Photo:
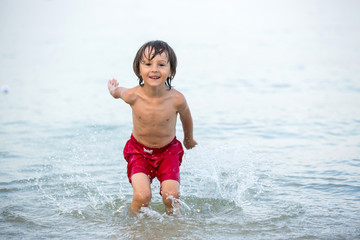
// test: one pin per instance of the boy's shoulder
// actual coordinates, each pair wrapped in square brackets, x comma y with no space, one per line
[177,94]
[131,95]
[178,97]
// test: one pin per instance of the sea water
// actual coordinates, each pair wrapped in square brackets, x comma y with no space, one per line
[274,91]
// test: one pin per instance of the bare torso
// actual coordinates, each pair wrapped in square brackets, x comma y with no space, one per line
[154,110]
[154,118]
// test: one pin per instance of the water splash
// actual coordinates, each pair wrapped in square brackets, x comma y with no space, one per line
[178,205]
[148,212]
[231,176]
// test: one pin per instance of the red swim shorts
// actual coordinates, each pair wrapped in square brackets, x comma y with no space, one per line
[163,163]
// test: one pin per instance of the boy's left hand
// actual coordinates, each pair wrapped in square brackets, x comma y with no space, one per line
[189,143]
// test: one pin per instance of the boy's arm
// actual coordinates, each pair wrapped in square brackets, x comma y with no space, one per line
[187,124]
[115,90]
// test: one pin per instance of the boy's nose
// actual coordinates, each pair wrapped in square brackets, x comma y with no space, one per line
[154,68]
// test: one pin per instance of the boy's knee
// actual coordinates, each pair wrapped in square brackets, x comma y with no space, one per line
[168,194]
[142,197]
[170,189]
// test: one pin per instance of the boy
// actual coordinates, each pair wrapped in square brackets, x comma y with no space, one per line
[153,150]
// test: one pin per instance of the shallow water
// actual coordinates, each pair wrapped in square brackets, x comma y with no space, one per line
[274,91]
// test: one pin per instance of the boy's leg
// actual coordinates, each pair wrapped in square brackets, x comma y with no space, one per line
[141,191]
[170,191]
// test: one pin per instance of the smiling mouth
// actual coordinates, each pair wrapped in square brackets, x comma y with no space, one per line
[154,77]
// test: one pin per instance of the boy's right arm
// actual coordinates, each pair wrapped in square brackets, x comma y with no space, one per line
[115,90]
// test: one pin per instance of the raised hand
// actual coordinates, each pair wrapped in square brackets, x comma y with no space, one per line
[112,84]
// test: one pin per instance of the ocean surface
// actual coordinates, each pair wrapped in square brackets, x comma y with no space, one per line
[274,90]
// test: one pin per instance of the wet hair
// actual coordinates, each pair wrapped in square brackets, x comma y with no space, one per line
[155,48]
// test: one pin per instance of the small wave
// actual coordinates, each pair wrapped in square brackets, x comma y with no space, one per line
[8,155]
[8,190]
[16,216]
[211,206]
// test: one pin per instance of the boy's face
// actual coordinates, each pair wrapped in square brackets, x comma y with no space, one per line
[155,72]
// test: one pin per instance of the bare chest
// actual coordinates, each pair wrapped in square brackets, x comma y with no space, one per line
[156,113]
